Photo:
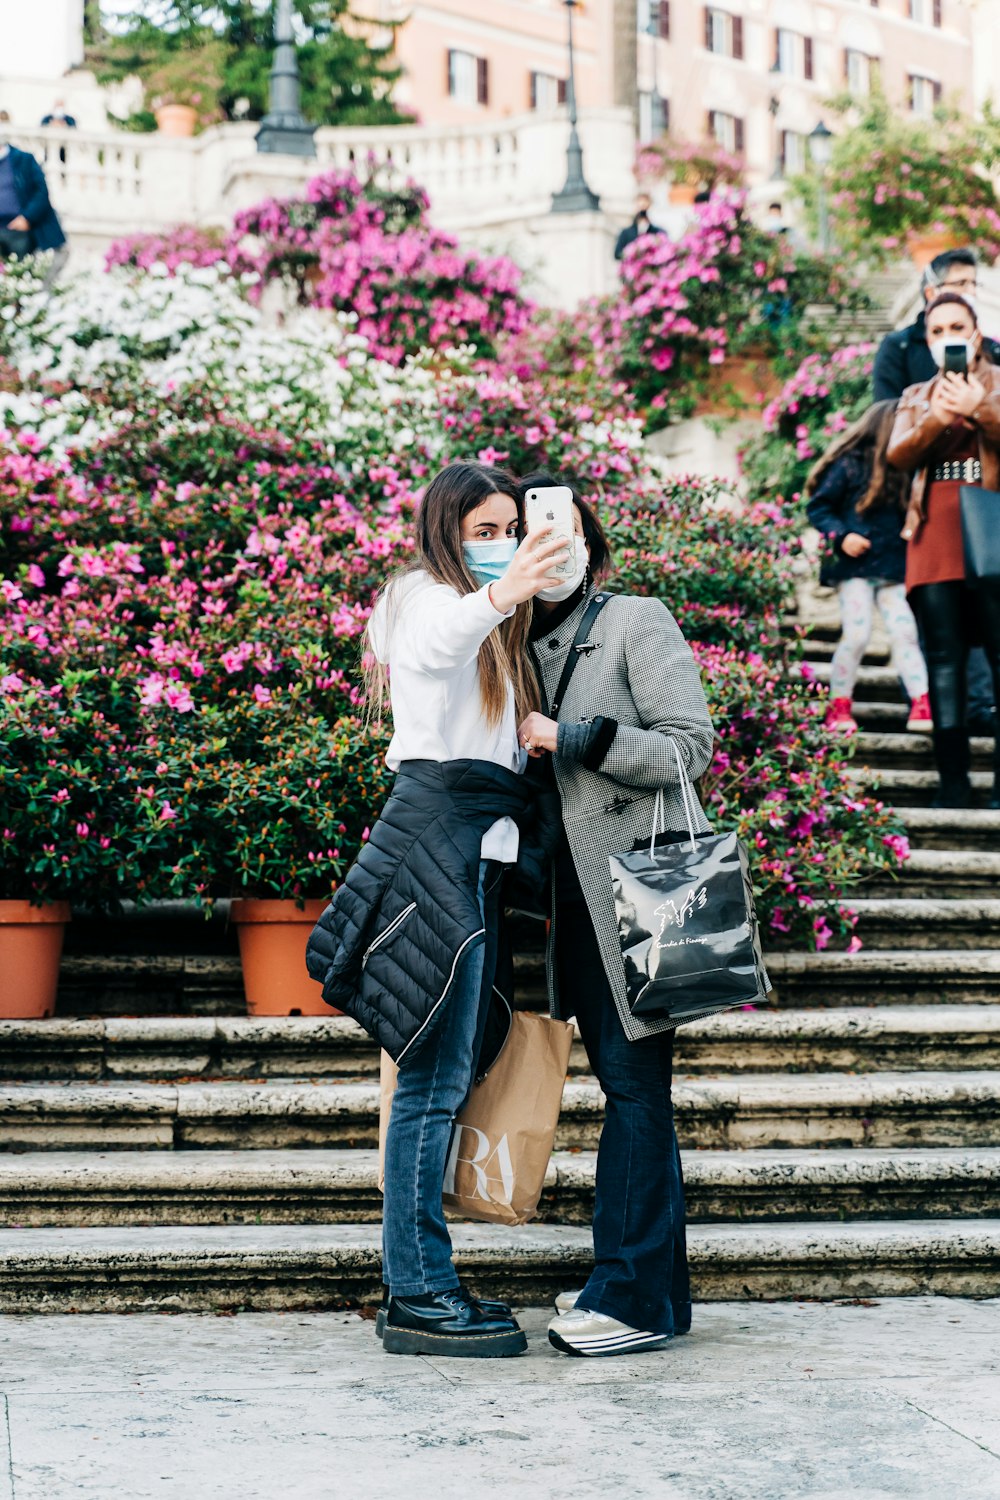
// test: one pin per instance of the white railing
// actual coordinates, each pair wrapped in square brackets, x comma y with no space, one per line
[111,182]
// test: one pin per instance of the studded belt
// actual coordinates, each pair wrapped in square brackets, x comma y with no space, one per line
[967,470]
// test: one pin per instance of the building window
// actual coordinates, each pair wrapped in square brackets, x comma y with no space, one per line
[468,78]
[547,91]
[723,32]
[653,18]
[654,116]
[794,152]
[727,130]
[926,12]
[793,54]
[858,71]
[925,94]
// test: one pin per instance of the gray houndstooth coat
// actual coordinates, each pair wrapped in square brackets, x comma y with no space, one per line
[643,675]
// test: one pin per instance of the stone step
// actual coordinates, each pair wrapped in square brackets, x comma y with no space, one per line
[115,984]
[888,1109]
[817,651]
[316,1267]
[962,923]
[933,873]
[882,718]
[184,1048]
[93,1189]
[913,788]
[911,752]
[953,828]
[873,685]
[895,976]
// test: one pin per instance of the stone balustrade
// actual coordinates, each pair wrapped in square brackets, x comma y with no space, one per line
[492,184]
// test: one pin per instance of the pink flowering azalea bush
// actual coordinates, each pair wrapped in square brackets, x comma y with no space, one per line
[361,248]
[188,555]
[783,784]
[686,308]
[895,177]
[188,244]
[823,397]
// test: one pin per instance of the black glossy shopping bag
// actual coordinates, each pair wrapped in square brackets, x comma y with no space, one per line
[687,926]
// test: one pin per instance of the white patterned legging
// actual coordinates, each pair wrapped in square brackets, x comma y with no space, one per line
[858,600]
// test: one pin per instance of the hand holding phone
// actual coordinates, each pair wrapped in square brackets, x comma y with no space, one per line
[550,507]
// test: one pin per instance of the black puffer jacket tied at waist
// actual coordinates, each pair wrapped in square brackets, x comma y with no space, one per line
[388,947]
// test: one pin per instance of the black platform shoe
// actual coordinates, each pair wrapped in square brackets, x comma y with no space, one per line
[448,1323]
[487,1305]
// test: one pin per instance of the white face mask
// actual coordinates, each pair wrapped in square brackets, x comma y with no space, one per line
[567,586]
[940,345]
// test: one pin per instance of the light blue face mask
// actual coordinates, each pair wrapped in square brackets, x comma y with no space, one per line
[489,561]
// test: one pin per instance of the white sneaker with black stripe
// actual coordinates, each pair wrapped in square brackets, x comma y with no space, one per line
[592,1333]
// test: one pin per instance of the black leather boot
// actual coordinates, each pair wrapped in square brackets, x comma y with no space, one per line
[448,1323]
[951,751]
[492,1308]
[995,798]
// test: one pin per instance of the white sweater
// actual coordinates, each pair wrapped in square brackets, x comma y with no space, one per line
[429,636]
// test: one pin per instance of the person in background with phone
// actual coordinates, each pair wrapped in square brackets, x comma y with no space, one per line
[904,359]
[409,944]
[947,433]
[635,687]
[856,501]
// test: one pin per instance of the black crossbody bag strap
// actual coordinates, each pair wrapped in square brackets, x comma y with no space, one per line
[577,650]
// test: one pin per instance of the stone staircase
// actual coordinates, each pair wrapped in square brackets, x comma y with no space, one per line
[843,1142]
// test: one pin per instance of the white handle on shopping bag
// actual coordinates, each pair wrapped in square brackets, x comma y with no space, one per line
[687,797]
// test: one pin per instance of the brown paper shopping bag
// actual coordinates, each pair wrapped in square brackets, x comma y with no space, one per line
[502,1140]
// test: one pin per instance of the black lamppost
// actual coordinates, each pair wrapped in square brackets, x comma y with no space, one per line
[575,197]
[285,128]
[820,152]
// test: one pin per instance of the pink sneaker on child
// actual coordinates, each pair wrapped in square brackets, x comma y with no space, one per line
[920,721]
[840,718]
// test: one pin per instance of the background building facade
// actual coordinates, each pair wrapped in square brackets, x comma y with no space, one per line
[754,73]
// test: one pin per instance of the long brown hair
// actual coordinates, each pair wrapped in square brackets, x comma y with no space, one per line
[872,431]
[503,657]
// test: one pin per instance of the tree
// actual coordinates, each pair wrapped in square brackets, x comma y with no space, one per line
[346,78]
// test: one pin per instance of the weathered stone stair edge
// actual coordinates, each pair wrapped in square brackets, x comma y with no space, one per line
[276,1098]
[746,1111]
[243,1047]
[298,1267]
[154,1188]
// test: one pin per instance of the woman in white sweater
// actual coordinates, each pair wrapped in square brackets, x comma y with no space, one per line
[448,642]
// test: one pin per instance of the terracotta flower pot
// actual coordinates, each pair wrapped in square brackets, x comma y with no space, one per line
[176,119]
[924,247]
[683,192]
[273,937]
[31,940]
[741,381]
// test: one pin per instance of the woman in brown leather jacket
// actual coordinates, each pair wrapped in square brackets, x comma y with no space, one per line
[947,432]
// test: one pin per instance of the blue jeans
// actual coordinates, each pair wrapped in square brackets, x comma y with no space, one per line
[640,1273]
[416,1245]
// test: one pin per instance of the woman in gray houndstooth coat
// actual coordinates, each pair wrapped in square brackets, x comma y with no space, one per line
[634,689]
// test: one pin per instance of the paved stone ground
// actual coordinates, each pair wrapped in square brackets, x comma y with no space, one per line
[762,1402]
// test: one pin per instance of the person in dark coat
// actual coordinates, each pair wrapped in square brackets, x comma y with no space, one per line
[28,222]
[858,503]
[904,359]
[640,225]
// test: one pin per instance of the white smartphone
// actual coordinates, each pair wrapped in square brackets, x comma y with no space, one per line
[552,506]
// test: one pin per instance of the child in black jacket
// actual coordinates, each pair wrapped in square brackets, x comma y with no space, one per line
[857,502]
